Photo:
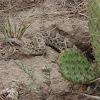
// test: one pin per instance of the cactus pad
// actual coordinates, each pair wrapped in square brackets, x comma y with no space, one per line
[94,28]
[75,67]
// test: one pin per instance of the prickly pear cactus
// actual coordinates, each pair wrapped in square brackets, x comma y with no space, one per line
[75,67]
[94,28]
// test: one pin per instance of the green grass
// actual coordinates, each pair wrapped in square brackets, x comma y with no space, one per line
[12,30]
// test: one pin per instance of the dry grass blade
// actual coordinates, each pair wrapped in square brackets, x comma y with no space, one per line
[15,28]
[22,31]
[19,29]
[90,96]
[2,30]
[9,26]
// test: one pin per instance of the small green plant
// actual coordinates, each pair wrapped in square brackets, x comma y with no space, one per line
[12,30]
[46,75]
[29,72]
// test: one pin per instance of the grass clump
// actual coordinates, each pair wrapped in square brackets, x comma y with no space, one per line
[12,30]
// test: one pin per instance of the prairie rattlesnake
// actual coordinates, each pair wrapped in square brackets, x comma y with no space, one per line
[50,37]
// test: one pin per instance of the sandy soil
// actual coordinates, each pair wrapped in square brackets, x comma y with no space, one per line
[42,15]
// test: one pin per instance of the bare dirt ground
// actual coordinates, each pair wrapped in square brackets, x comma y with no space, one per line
[42,14]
